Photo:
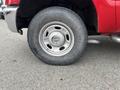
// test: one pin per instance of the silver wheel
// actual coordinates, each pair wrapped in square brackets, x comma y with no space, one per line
[56,38]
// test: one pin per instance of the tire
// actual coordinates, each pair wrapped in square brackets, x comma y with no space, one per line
[2,16]
[55,16]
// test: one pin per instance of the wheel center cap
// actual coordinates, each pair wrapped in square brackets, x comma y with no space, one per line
[56,39]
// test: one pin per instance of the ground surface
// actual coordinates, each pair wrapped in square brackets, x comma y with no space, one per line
[98,69]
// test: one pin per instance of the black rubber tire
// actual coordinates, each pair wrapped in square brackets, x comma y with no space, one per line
[2,16]
[63,15]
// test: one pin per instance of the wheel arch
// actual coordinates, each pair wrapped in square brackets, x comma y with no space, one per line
[84,8]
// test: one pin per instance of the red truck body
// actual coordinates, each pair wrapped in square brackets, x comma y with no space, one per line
[108,12]
[118,14]
[12,2]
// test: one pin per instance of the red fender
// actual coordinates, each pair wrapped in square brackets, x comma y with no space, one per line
[12,2]
[106,16]
[118,14]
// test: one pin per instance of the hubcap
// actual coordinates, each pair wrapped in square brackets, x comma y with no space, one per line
[56,39]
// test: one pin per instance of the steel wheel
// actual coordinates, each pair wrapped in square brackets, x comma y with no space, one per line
[56,38]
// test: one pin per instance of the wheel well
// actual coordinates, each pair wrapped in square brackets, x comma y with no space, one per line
[84,8]
[89,15]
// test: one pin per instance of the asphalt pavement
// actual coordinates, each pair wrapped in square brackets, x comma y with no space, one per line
[98,69]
